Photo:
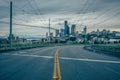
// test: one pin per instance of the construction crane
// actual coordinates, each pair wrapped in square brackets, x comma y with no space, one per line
[56,73]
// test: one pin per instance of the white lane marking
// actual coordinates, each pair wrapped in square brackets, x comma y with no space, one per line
[33,55]
[90,60]
[66,58]
[22,52]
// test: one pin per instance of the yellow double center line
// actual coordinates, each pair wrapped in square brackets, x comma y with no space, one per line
[56,73]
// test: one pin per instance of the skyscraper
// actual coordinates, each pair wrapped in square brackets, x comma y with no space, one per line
[85,34]
[56,33]
[66,28]
[85,30]
[51,35]
[73,29]
[46,34]
[62,32]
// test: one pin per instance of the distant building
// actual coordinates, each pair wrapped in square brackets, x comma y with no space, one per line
[98,32]
[13,38]
[104,32]
[3,41]
[46,34]
[57,33]
[51,35]
[84,30]
[62,32]
[67,32]
[117,34]
[73,29]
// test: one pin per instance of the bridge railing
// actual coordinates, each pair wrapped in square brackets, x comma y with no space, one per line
[107,47]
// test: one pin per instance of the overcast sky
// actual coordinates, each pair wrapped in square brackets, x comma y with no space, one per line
[95,14]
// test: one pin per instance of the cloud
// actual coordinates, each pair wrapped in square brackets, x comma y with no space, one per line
[37,12]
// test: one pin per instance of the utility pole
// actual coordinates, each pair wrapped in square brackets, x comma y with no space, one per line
[49,29]
[10,36]
[85,34]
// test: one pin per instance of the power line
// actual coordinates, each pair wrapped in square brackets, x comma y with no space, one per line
[108,14]
[37,13]
[28,25]
[86,9]
[107,19]
[37,8]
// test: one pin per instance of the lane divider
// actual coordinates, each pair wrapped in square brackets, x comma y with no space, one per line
[56,72]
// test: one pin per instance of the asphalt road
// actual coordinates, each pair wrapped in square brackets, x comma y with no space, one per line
[75,62]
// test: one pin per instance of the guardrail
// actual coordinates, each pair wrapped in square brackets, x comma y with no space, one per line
[115,48]
[6,47]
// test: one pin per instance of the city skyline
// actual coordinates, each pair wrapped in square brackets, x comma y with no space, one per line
[96,16]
